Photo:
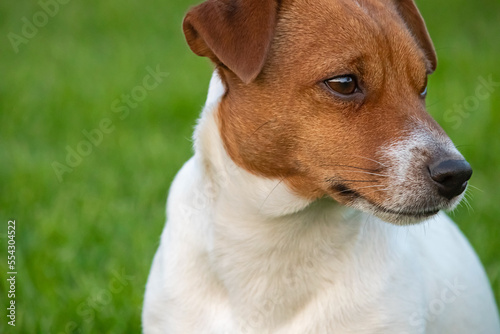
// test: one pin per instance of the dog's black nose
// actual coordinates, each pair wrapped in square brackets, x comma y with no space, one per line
[450,176]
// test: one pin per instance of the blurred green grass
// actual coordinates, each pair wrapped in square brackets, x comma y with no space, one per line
[85,245]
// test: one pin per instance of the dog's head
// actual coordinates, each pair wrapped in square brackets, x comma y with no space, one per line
[329,97]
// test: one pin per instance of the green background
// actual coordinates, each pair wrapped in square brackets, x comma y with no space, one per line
[85,244]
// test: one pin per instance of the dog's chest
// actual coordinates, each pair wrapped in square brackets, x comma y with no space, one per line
[297,301]
[304,284]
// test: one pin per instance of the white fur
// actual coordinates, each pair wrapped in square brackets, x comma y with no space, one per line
[242,254]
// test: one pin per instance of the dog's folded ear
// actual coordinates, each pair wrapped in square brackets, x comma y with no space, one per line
[415,23]
[236,34]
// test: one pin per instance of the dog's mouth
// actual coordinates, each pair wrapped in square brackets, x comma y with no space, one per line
[409,213]
[402,216]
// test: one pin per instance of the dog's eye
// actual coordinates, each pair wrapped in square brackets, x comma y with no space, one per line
[424,91]
[345,85]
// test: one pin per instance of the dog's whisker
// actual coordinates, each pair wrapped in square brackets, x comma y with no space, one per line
[349,166]
[468,194]
[360,172]
[374,191]
[467,197]
[359,188]
[344,180]
[374,186]
[378,162]
[462,145]
[467,204]
[272,190]
[257,129]
[474,187]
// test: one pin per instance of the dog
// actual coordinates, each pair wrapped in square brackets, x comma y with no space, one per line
[314,161]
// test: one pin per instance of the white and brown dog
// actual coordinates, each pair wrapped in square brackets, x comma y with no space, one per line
[314,160]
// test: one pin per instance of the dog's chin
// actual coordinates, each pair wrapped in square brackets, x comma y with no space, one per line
[409,215]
